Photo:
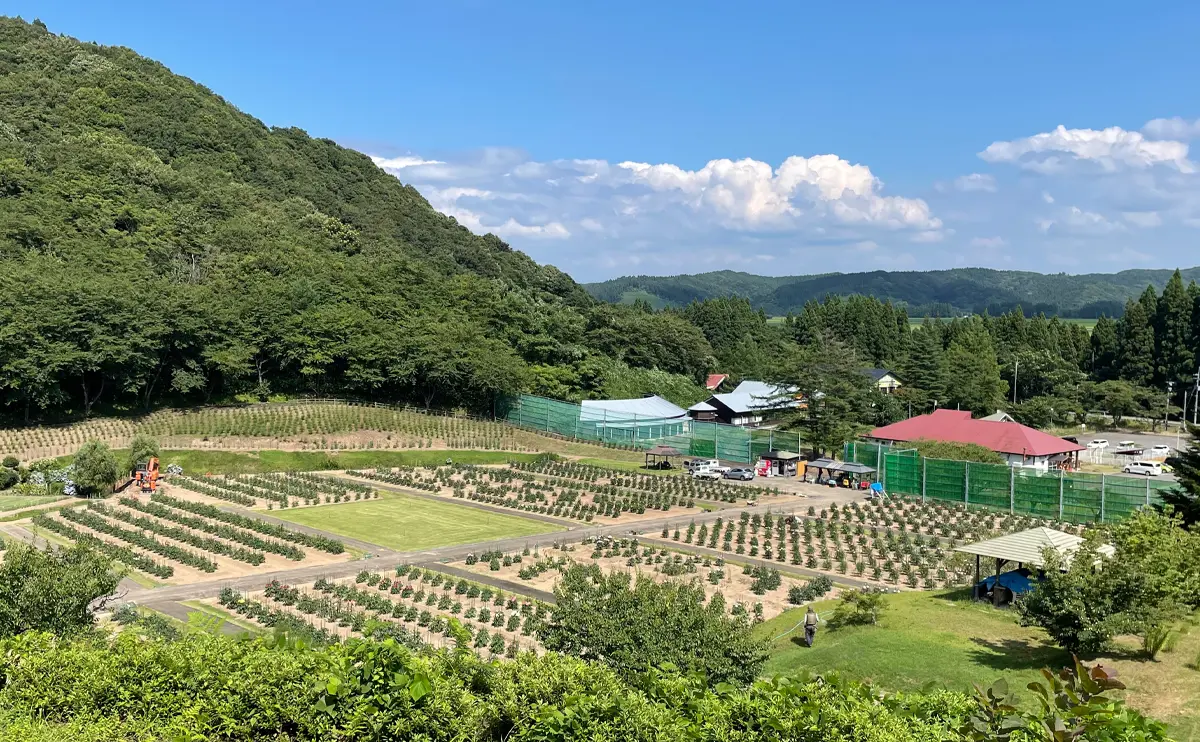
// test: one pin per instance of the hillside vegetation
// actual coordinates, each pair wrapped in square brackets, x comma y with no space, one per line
[944,293]
[159,246]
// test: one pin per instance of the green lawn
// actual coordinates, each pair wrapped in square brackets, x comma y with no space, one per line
[941,637]
[16,502]
[405,523]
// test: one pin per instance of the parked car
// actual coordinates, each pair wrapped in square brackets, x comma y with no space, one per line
[1098,443]
[706,474]
[696,464]
[1161,450]
[1128,444]
[1147,468]
[744,475]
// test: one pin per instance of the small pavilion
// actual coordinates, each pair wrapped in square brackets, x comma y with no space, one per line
[1025,549]
[660,456]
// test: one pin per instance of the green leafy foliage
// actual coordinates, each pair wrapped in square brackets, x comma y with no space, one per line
[633,623]
[52,590]
[95,469]
[858,608]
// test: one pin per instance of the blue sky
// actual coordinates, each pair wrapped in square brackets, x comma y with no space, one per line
[666,137]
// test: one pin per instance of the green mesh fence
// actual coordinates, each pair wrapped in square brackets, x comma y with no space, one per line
[700,439]
[1074,497]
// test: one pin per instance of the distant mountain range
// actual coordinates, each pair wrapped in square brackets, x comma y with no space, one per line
[942,293]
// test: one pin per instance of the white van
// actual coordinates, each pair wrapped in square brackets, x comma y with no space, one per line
[1147,468]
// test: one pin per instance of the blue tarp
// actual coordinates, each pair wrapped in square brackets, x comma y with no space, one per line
[1018,580]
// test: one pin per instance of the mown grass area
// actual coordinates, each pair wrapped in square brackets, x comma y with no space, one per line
[198,462]
[17,502]
[405,523]
[945,638]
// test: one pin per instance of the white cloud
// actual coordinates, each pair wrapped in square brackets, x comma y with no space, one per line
[402,162]
[749,193]
[1175,127]
[1079,221]
[1112,148]
[1142,218]
[1047,198]
[988,243]
[975,182]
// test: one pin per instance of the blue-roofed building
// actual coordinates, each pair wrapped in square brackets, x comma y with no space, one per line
[750,403]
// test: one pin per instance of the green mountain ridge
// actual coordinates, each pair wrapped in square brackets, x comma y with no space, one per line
[160,247]
[942,293]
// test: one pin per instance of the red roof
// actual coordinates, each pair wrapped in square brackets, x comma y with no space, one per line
[715,380]
[959,427]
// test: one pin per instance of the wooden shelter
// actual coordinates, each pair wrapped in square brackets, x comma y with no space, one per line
[660,456]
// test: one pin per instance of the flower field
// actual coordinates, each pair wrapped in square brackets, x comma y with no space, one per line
[286,426]
[757,593]
[175,539]
[569,490]
[413,605]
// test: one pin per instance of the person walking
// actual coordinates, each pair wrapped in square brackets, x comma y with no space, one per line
[811,619]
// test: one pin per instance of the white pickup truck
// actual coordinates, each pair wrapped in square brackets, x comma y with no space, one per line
[706,468]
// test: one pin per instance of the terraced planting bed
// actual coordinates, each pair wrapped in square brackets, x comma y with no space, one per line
[278,490]
[572,490]
[411,604]
[285,426]
[880,542]
[753,592]
[182,541]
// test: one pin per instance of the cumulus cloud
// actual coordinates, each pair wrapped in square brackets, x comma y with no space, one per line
[975,182]
[1175,127]
[1142,218]
[750,193]
[1112,149]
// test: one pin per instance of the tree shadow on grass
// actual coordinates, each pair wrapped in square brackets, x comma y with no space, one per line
[1017,654]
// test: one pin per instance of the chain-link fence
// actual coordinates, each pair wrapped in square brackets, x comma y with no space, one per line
[702,439]
[1075,496]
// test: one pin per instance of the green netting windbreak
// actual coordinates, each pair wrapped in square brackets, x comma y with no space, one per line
[902,472]
[701,439]
[864,453]
[945,480]
[989,485]
[1124,495]
[1082,494]
[1037,493]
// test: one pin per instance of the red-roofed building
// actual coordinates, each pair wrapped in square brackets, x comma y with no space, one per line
[1019,444]
[714,381]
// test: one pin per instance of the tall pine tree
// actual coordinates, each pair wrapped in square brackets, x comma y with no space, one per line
[1103,356]
[972,374]
[1135,348]
[922,369]
[1185,496]
[1173,334]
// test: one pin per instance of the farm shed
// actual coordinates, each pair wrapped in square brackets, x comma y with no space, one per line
[1022,548]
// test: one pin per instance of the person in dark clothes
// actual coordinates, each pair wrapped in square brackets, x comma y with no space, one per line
[811,619]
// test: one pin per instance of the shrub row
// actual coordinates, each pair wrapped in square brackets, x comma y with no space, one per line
[223,530]
[122,554]
[139,539]
[333,546]
[182,535]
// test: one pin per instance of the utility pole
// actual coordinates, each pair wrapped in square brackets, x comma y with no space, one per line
[1167,411]
[1016,364]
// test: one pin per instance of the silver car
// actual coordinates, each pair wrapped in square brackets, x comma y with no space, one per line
[744,475]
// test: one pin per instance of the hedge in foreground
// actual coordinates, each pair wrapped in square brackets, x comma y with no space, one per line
[216,688]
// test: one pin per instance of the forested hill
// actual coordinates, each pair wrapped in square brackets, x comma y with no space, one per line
[158,246]
[943,293]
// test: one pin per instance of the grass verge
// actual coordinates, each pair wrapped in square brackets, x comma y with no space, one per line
[945,638]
